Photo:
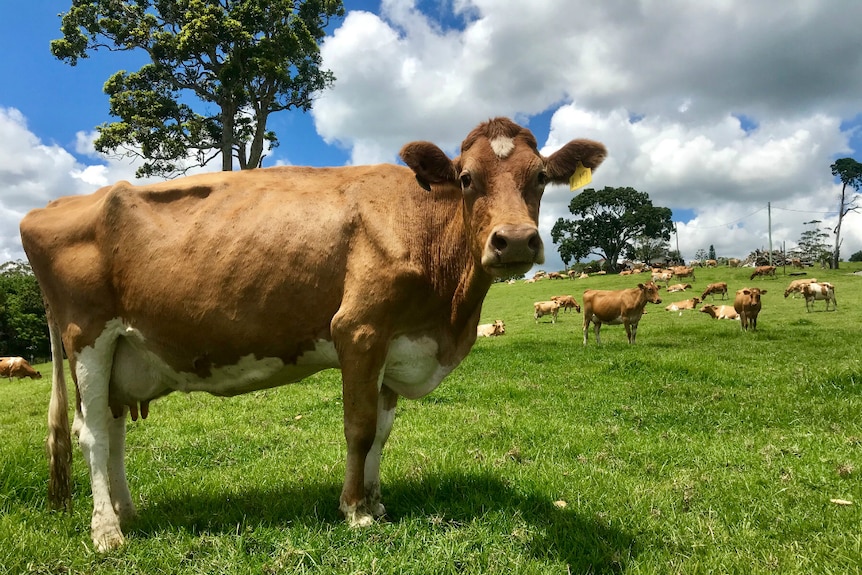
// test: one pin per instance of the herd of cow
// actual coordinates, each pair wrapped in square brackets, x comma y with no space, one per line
[232,282]
[626,306]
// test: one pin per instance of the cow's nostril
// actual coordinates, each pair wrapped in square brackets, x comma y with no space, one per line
[499,243]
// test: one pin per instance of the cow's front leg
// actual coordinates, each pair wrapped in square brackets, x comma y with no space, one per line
[386,402]
[362,358]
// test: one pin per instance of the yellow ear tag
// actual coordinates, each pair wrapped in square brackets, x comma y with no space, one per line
[580,178]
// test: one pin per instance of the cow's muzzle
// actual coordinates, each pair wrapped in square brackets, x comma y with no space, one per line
[513,249]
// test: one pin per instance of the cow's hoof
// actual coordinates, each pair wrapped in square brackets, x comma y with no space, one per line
[107,540]
[356,515]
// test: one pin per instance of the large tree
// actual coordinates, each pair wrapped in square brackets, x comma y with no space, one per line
[608,222]
[23,328]
[813,245]
[243,59]
[850,173]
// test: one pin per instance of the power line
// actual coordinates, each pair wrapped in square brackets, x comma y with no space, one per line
[728,223]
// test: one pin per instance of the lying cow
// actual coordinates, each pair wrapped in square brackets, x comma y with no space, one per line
[566,302]
[714,288]
[17,367]
[543,308]
[677,288]
[616,307]
[747,304]
[690,303]
[230,282]
[763,271]
[819,291]
[491,329]
[797,285]
[720,311]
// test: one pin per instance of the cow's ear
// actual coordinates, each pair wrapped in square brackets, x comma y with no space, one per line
[763,291]
[563,163]
[430,164]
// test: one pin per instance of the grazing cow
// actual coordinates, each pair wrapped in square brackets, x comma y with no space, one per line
[747,304]
[677,288]
[17,367]
[491,329]
[797,285]
[733,262]
[555,276]
[711,263]
[690,303]
[231,282]
[763,271]
[720,311]
[566,302]
[662,276]
[796,263]
[714,288]
[683,272]
[543,308]
[819,291]
[616,307]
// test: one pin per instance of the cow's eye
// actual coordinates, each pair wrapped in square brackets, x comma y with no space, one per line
[466,180]
[542,178]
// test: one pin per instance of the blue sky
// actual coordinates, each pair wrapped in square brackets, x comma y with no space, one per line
[715,108]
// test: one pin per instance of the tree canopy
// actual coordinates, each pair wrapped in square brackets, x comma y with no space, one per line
[23,328]
[244,59]
[608,223]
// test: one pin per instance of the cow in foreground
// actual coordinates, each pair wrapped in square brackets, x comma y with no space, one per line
[714,288]
[491,329]
[17,367]
[720,311]
[567,302]
[232,282]
[616,307]
[747,304]
[819,291]
[543,308]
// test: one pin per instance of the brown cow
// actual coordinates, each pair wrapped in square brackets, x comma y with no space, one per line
[714,288]
[797,285]
[747,304]
[711,263]
[566,302]
[543,308]
[491,329]
[616,307]
[720,311]
[734,262]
[17,367]
[819,291]
[690,303]
[683,272]
[763,271]
[677,288]
[231,282]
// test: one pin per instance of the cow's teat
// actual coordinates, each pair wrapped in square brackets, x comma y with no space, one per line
[512,248]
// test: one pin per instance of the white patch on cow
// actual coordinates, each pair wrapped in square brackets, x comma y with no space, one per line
[502,146]
[412,368]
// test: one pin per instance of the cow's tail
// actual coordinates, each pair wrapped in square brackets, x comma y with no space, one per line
[59,442]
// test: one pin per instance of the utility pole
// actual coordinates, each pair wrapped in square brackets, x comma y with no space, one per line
[769,211]
[676,233]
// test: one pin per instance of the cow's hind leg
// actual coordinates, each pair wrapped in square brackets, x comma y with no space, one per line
[121,498]
[93,369]
[385,416]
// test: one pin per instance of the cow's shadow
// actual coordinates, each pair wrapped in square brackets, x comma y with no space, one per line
[586,544]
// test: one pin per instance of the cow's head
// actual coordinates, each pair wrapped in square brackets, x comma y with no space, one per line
[499,327]
[501,177]
[650,291]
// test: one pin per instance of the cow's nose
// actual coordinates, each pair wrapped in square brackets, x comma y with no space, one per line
[512,245]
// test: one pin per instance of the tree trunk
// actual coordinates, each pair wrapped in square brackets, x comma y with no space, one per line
[838,228]
[227,114]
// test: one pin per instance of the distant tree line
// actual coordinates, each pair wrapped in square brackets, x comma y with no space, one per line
[23,327]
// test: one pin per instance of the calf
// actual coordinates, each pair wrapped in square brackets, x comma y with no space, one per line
[817,291]
[720,311]
[712,289]
[678,287]
[747,305]
[543,308]
[616,307]
[763,271]
[17,367]
[797,285]
[684,304]
[491,329]
[566,302]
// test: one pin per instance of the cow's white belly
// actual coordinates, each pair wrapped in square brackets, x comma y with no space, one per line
[411,369]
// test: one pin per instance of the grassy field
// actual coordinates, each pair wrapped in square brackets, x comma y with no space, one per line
[700,449]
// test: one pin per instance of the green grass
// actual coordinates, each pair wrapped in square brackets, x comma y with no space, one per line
[700,449]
